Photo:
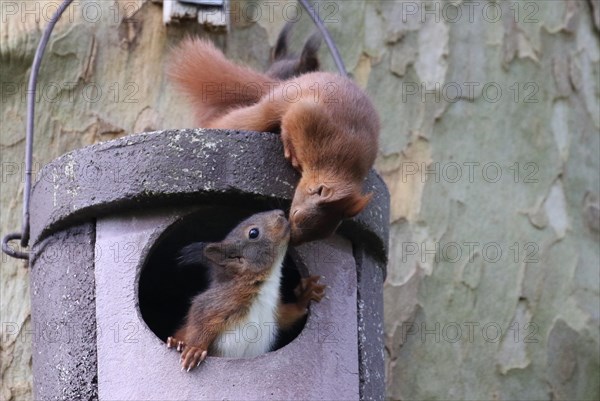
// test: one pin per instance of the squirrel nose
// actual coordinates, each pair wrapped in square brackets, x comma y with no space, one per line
[280,213]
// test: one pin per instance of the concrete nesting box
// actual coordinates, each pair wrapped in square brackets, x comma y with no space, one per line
[106,224]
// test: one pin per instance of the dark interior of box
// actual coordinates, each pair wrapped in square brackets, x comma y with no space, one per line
[166,286]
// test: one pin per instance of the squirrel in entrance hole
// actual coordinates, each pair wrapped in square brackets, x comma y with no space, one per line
[328,125]
[245,289]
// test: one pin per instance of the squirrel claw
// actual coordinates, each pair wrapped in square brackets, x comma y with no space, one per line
[289,152]
[309,290]
[296,164]
[173,342]
[192,357]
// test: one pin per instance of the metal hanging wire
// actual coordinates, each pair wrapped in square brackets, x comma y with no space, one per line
[31,89]
[23,236]
[328,39]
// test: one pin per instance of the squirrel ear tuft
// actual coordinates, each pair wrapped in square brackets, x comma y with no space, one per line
[356,204]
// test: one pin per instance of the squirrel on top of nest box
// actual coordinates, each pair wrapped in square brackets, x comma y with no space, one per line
[329,127]
[246,274]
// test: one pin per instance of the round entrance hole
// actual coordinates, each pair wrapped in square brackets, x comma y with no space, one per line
[167,286]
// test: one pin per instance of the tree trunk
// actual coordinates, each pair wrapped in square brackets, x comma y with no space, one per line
[489,146]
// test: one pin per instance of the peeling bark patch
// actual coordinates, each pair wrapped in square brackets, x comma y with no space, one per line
[575,75]
[560,128]
[362,71]
[571,16]
[515,42]
[404,298]
[402,57]
[513,351]
[431,61]
[88,68]
[591,211]
[470,272]
[525,48]
[537,217]
[562,356]
[147,120]
[560,71]
[556,209]
[595,6]
[100,130]
[129,30]
[509,42]
[402,175]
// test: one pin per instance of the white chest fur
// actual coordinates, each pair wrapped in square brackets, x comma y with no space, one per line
[255,334]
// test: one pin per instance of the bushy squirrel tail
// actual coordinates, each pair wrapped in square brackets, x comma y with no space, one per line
[214,84]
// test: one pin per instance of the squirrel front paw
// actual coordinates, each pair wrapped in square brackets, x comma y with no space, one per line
[309,290]
[192,357]
[289,153]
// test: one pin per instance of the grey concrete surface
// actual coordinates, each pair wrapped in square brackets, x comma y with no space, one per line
[320,364]
[370,326]
[63,314]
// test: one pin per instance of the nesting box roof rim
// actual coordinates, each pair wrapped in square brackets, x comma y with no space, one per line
[181,164]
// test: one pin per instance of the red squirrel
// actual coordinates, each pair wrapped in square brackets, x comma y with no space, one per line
[329,128]
[244,290]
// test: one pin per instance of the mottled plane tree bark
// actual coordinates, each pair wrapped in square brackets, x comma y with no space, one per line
[490,148]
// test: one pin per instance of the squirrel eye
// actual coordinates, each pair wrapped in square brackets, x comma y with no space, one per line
[253,233]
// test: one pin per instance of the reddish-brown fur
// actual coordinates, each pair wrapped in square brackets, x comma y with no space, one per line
[329,129]
[240,267]
[214,84]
